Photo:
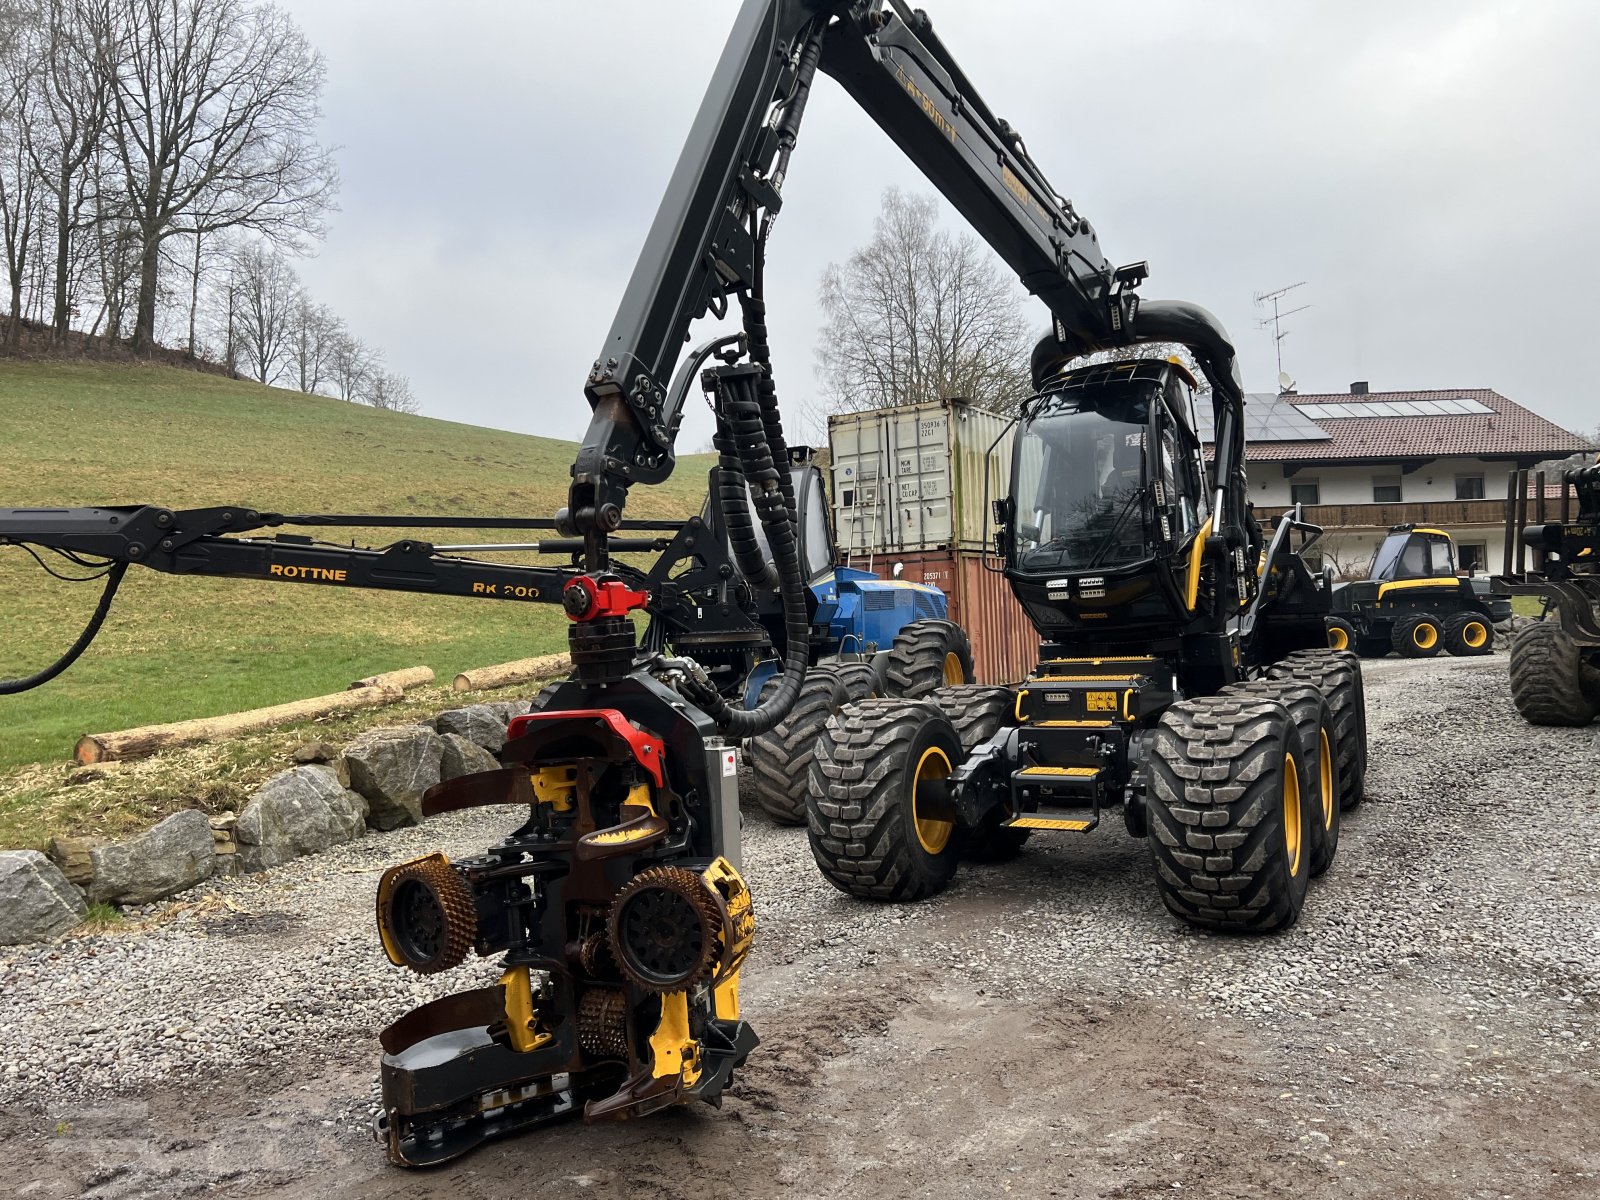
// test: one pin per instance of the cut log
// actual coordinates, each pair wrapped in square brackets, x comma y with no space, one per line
[148,739]
[524,670]
[405,679]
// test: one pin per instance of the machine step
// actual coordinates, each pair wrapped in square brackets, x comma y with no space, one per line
[1047,773]
[1068,824]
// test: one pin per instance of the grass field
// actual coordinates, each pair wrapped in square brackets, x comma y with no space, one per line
[174,647]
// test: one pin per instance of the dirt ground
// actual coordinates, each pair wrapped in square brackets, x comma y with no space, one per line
[1043,1029]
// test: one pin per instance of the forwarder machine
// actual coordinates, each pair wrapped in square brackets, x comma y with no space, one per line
[617,907]
[1555,663]
[1414,603]
[1184,674]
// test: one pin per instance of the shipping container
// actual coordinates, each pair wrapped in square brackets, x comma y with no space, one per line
[915,478]
[1005,647]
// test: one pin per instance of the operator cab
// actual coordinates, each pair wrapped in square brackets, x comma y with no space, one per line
[1107,501]
[1414,552]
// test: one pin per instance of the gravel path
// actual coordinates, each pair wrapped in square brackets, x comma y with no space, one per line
[1044,1028]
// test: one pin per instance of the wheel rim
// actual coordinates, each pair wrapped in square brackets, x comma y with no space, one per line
[1291,812]
[1425,635]
[1475,634]
[954,673]
[419,921]
[932,832]
[1330,802]
[1338,639]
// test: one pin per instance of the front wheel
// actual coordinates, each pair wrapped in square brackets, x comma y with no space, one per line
[780,759]
[1547,677]
[878,816]
[1341,634]
[1230,814]
[927,655]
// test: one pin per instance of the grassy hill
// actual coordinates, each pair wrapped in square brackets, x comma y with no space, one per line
[173,648]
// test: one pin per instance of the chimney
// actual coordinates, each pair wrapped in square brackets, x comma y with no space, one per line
[1358,388]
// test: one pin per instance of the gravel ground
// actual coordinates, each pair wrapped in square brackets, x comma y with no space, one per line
[1044,1028]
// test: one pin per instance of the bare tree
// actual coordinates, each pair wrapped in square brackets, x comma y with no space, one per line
[20,215]
[314,333]
[213,109]
[920,314]
[391,393]
[351,364]
[264,295]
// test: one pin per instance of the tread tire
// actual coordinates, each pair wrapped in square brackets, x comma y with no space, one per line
[1338,674]
[1309,710]
[1216,813]
[978,713]
[780,759]
[1547,677]
[860,814]
[915,664]
[1456,627]
[1403,637]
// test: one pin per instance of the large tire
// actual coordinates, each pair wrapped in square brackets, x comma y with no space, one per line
[927,655]
[1228,832]
[978,713]
[780,759]
[1314,720]
[1417,636]
[1341,634]
[862,814]
[1547,677]
[1467,634]
[1339,677]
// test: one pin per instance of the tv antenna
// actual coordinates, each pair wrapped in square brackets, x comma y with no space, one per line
[1273,322]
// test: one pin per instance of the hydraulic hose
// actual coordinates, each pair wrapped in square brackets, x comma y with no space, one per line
[756,436]
[10,687]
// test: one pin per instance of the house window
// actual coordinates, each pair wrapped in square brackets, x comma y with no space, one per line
[1469,487]
[1386,489]
[1474,556]
[1305,493]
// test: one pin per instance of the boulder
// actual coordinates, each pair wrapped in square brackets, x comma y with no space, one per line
[481,724]
[71,857]
[296,812]
[36,901]
[315,752]
[507,709]
[170,856]
[392,766]
[462,757]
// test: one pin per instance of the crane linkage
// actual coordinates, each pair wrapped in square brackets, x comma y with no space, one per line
[618,904]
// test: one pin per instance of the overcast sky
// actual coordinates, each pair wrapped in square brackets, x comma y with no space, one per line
[1428,168]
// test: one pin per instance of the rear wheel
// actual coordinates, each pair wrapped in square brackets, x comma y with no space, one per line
[1320,787]
[927,655]
[1417,636]
[1341,634]
[1547,677]
[1339,677]
[781,758]
[1229,815]
[878,816]
[1467,634]
[978,713]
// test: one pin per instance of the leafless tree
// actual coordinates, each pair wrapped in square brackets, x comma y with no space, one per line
[391,392]
[314,333]
[213,106]
[920,314]
[351,364]
[264,298]
[20,214]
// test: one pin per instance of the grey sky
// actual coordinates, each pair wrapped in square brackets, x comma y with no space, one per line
[1429,168]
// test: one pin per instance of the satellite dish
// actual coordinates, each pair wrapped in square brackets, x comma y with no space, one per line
[1285,384]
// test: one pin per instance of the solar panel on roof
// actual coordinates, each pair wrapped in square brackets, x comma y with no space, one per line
[1267,418]
[1455,406]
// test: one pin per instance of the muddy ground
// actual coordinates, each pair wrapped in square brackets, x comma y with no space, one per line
[1043,1029]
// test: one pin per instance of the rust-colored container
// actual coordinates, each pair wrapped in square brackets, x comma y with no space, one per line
[1005,647]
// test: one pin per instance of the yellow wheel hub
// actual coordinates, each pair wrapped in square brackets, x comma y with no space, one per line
[1325,782]
[953,672]
[1474,634]
[1425,635]
[1338,639]
[932,832]
[1291,812]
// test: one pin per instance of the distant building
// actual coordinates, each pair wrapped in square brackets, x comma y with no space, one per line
[1362,461]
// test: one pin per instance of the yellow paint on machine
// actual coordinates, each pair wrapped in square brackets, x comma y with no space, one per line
[522,1018]
[1196,552]
[1073,772]
[1072,826]
[673,1050]
[1397,585]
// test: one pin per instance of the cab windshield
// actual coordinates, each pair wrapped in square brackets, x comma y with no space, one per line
[1411,556]
[1080,487]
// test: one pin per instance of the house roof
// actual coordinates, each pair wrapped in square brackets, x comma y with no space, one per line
[1507,431]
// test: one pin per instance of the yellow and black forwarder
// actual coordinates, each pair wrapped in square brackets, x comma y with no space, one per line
[1414,603]
[1184,676]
